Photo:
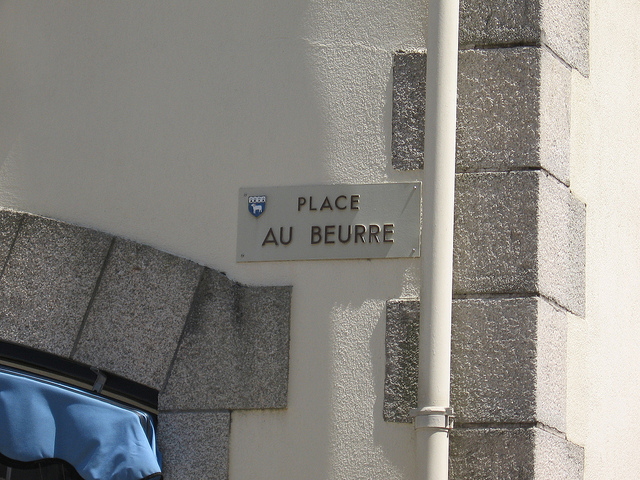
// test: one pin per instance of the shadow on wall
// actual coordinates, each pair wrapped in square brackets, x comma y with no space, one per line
[138,118]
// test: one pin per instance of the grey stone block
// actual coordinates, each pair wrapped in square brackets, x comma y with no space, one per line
[561,245]
[555,116]
[557,458]
[513,111]
[563,25]
[519,232]
[508,361]
[565,29]
[499,22]
[48,282]
[518,453]
[138,313]
[496,233]
[235,349]
[10,223]
[551,365]
[492,453]
[407,120]
[401,367]
[194,445]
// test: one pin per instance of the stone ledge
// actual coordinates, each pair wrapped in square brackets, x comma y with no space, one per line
[517,453]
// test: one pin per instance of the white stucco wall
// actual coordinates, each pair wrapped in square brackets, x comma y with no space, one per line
[144,118]
[604,347]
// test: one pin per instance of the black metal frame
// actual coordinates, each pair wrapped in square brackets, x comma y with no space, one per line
[60,366]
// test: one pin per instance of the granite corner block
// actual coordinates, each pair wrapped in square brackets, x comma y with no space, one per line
[401,354]
[565,30]
[499,22]
[494,356]
[408,110]
[509,361]
[496,233]
[563,25]
[194,445]
[513,111]
[551,365]
[498,122]
[48,283]
[561,245]
[556,458]
[234,353]
[519,232]
[555,116]
[513,453]
[505,453]
[138,313]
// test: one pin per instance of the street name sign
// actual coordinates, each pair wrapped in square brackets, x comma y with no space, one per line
[316,222]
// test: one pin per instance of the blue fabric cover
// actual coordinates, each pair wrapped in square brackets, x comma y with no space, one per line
[102,440]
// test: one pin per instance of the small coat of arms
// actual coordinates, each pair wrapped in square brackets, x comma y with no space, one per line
[257,205]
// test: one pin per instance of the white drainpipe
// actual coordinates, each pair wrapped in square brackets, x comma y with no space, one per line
[434,416]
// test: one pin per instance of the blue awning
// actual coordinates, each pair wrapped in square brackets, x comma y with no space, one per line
[42,419]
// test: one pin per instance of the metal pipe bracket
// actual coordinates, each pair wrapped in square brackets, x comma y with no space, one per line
[441,418]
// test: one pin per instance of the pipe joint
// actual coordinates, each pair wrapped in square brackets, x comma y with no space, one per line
[439,418]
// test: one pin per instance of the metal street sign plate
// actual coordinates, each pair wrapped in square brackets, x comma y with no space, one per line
[329,222]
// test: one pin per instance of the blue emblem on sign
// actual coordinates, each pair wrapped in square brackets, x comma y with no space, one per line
[257,205]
